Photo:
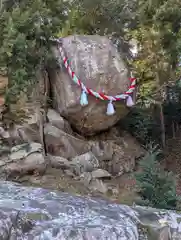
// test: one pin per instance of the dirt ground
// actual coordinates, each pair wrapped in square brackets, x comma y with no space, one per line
[120,189]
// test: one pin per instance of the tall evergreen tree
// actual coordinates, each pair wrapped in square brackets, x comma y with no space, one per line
[156,187]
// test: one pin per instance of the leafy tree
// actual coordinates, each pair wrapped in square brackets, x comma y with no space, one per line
[22,23]
[22,53]
[103,17]
[158,35]
[159,39]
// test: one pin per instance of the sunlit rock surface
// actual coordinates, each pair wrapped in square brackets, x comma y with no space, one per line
[34,213]
[97,63]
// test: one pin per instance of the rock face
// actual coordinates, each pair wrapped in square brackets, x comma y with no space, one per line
[56,120]
[110,151]
[60,143]
[23,159]
[85,163]
[98,65]
[35,213]
[117,152]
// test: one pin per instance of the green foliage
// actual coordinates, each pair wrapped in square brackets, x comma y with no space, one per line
[22,23]
[159,39]
[103,17]
[21,51]
[156,187]
[154,24]
[142,125]
[172,105]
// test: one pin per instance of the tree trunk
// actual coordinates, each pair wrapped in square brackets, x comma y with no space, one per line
[162,123]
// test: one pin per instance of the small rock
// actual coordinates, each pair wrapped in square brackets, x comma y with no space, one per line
[59,162]
[85,163]
[4,134]
[23,150]
[113,191]
[98,185]
[56,120]
[86,178]
[28,131]
[34,180]
[102,150]
[34,158]
[69,173]
[4,150]
[101,174]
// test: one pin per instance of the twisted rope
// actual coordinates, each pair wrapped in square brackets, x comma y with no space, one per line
[87,90]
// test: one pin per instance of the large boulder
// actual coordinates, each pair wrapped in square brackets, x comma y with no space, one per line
[95,60]
[36,213]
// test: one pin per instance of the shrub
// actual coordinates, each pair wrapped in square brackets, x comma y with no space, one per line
[156,187]
[141,124]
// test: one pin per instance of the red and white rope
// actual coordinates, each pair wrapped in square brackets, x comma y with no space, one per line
[99,95]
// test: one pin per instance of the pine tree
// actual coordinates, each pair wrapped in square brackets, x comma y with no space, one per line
[156,187]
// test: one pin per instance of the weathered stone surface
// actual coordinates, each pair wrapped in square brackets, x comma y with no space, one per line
[84,163]
[57,121]
[116,151]
[35,213]
[22,151]
[159,232]
[30,130]
[94,181]
[86,178]
[4,134]
[97,63]
[100,174]
[60,143]
[98,185]
[27,132]
[59,162]
[23,159]
[116,159]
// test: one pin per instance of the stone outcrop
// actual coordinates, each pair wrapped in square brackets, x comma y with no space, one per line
[110,151]
[84,163]
[36,213]
[99,66]
[60,143]
[23,159]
